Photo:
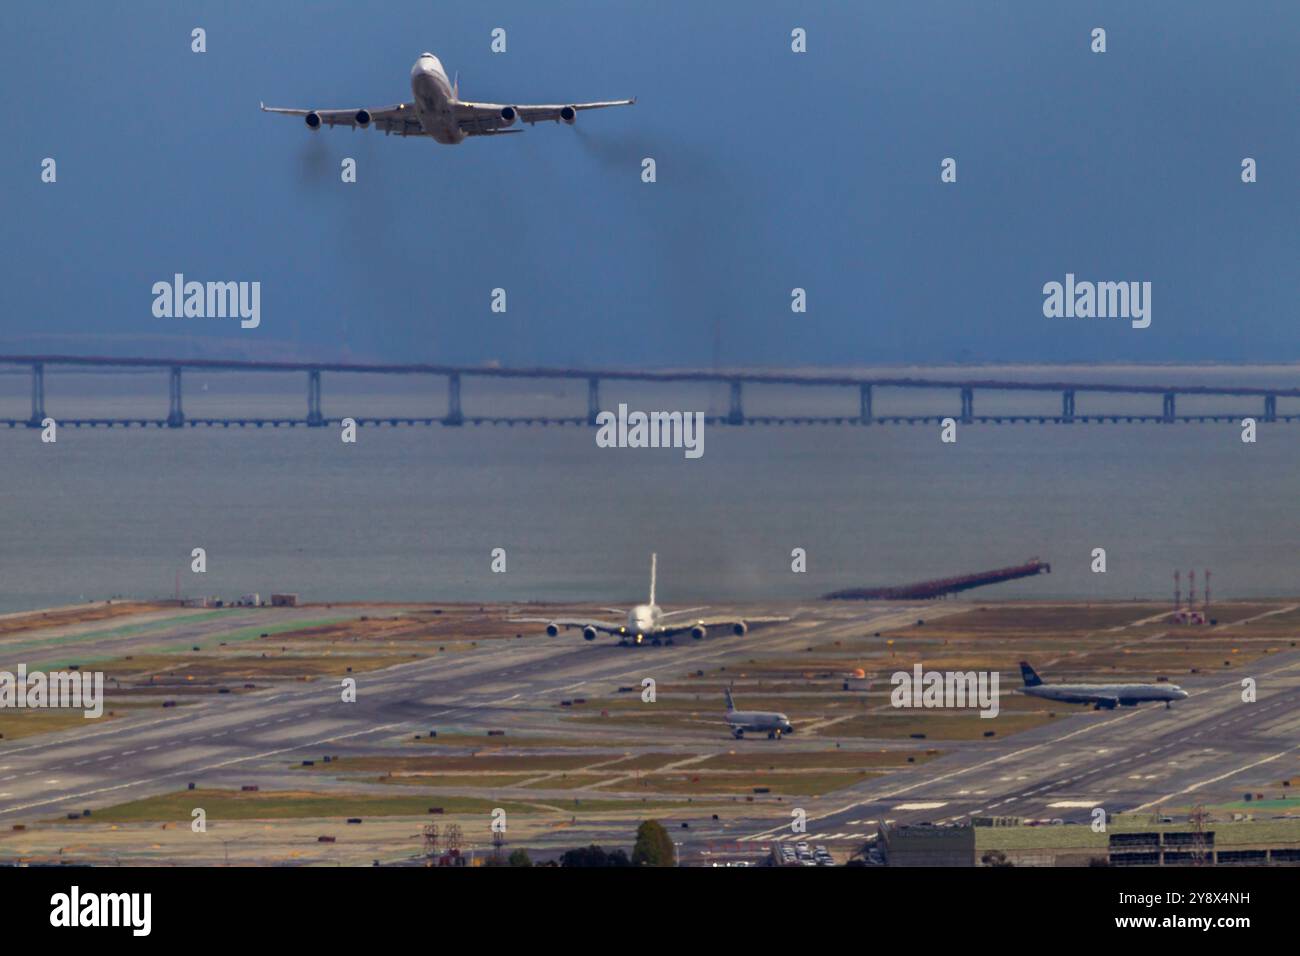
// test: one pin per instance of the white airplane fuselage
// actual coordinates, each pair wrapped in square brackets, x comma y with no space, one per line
[754,721]
[1126,694]
[435,100]
[644,619]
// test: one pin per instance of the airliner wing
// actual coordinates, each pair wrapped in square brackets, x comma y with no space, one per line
[569,622]
[668,630]
[475,118]
[685,610]
[400,118]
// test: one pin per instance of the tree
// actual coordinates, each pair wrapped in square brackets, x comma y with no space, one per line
[593,856]
[653,846]
[520,858]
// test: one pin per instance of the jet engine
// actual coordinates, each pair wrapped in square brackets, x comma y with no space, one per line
[313,120]
[589,633]
[698,632]
[362,118]
[568,114]
[508,116]
[552,629]
[739,628]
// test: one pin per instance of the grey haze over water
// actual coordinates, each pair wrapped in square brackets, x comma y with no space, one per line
[414,513]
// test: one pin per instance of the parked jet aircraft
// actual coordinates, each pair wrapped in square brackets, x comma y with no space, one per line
[755,721]
[438,111]
[1099,695]
[647,621]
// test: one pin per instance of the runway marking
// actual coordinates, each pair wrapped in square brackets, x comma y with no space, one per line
[1222,776]
[985,763]
[180,773]
[920,806]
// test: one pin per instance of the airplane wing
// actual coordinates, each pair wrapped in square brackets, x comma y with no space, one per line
[685,610]
[483,118]
[400,118]
[736,623]
[569,622]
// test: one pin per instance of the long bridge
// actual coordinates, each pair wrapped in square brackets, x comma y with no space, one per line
[866,387]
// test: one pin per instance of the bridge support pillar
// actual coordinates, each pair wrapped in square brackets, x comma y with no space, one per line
[736,416]
[1270,408]
[454,416]
[864,404]
[1067,405]
[1169,410]
[175,413]
[314,417]
[593,400]
[38,396]
[967,405]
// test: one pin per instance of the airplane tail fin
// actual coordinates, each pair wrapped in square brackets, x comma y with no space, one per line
[731,704]
[455,86]
[1030,675]
[653,561]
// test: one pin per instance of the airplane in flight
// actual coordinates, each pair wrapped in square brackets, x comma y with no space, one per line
[1099,695]
[648,621]
[438,111]
[755,721]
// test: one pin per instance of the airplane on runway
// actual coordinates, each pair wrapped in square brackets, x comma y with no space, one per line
[647,622]
[438,111]
[755,721]
[1099,695]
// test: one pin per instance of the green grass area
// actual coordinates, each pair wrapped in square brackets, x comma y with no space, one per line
[774,759]
[478,781]
[289,804]
[1273,805]
[812,783]
[126,630]
[512,763]
[305,805]
[936,725]
[1082,837]
[570,781]
[482,743]
[255,631]
[16,723]
[207,642]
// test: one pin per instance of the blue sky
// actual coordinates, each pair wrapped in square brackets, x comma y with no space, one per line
[775,170]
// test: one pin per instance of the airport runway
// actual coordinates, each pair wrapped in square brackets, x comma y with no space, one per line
[232,740]
[1210,747]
